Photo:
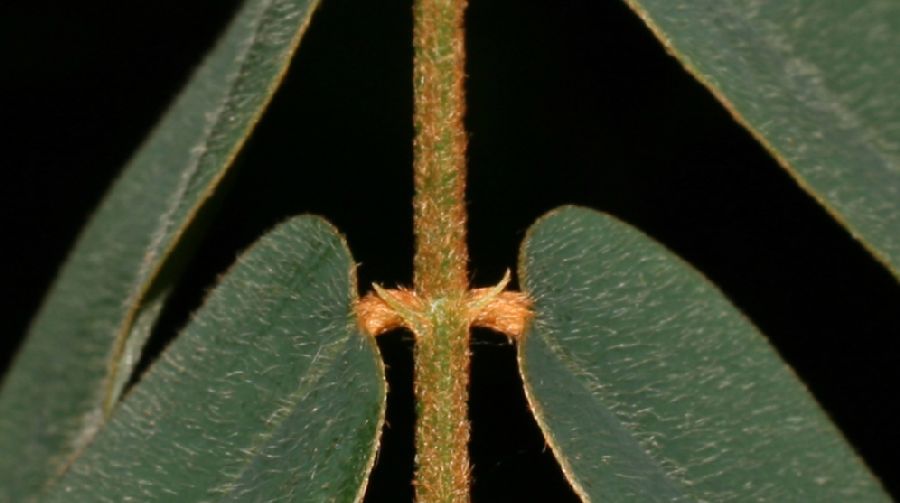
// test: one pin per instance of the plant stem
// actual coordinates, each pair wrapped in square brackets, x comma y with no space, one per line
[441,259]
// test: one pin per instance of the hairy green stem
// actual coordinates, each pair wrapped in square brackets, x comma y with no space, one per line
[441,259]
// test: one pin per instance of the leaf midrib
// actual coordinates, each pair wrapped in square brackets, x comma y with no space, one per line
[832,102]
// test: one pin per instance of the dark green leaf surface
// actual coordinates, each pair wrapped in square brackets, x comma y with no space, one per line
[816,82]
[272,393]
[82,346]
[650,386]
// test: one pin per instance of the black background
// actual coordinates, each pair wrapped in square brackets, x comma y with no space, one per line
[569,103]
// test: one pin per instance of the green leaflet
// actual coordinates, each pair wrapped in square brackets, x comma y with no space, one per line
[816,82]
[650,386]
[84,341]
[272,393]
